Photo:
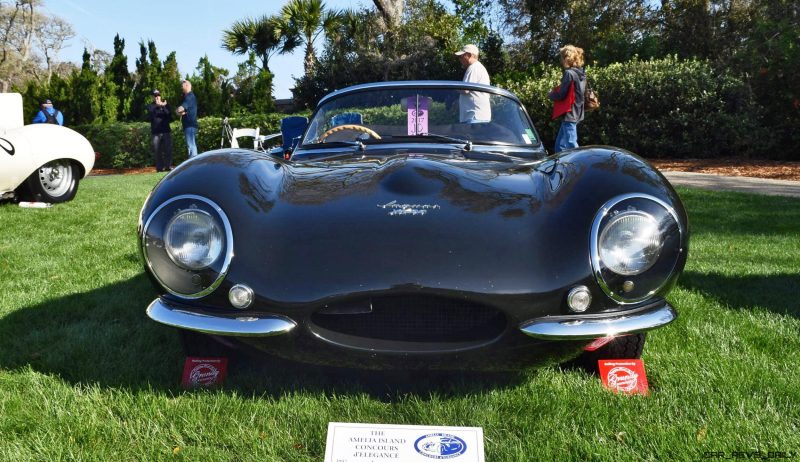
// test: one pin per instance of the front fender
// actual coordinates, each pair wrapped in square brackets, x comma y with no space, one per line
[25,149]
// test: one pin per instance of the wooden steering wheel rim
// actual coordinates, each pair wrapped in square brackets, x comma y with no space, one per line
[358,128]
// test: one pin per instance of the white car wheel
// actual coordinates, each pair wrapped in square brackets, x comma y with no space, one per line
[55,181]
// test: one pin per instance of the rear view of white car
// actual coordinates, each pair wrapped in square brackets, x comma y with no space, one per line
[40,162]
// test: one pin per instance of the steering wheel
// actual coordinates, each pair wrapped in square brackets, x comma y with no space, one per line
[358,128]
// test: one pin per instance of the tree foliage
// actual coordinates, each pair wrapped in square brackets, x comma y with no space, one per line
[117,72]
[253,89]
[753,43]
[19,56]
[103,90]
[263,37]
[305,21]
[609,31]
[363,49]
[212,87]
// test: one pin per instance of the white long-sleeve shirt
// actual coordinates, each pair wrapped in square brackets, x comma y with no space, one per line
[473,105]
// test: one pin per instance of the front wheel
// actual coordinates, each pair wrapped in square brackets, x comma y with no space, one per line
[625,347]
[54,182]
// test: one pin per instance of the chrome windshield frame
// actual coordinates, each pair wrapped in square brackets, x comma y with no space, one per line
[421,85]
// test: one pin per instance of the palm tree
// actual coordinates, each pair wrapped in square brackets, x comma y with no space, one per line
[264,36]
[305,21]
[352,26]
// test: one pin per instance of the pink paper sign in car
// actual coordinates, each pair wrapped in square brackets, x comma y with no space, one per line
[417,116]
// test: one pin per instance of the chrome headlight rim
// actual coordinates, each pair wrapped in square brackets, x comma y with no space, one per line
[597,263]
[227,252]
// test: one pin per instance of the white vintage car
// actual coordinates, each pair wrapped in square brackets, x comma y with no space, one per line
[40,162]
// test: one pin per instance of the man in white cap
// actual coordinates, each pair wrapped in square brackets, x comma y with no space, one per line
[474,106]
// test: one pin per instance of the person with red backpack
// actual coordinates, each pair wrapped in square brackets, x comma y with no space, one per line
[569,97]
[48,114]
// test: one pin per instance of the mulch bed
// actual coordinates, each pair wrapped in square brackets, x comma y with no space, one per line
[770,169]
[121,171]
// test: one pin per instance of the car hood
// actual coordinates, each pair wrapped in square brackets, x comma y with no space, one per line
[315,231]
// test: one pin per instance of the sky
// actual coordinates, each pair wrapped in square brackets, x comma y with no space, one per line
[190,28]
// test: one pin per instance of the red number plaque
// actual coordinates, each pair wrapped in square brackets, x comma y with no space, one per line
[204,372]
[624,375]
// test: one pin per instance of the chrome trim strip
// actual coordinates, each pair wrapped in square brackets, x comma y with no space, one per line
[583,328]
[237,326]
[411,146]
[228,244]
[429,84]
[595,251]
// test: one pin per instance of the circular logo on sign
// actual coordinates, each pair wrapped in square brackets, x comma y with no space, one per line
[622,378]
[440,446]
[203,374]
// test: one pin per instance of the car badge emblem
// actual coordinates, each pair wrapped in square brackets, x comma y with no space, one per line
[408,209]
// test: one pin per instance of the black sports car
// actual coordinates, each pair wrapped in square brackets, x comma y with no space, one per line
[416,225]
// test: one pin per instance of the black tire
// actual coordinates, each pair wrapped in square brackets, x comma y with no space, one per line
[54,182]
[626,347]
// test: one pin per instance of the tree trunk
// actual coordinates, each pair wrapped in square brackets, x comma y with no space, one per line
[24,13]
[308,65]
[391,11]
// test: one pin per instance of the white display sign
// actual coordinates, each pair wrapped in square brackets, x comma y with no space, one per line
[353,442]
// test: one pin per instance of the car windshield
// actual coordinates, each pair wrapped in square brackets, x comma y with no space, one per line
[450,115]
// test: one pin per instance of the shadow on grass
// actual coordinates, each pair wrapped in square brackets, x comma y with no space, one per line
[272,376]
[103,337]
[777,293]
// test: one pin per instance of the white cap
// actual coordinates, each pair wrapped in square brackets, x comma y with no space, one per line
[471,49]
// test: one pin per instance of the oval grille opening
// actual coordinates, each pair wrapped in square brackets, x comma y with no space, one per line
[416,319]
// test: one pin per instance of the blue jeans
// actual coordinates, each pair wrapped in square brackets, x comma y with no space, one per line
[190,134]
[567,136]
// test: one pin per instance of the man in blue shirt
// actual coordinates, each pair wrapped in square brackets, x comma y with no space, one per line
[48,114]
[188,112]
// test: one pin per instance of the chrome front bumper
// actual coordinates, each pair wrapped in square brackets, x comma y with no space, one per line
[589,327]
[234,326]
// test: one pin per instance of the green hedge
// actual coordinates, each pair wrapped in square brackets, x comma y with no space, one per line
[123,145]
[657,108]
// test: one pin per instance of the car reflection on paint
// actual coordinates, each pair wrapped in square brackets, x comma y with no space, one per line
[392,234]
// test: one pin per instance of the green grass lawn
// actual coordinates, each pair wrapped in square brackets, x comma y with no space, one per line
[84,375]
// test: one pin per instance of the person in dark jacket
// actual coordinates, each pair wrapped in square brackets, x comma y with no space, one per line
[188,112]
[159,115]
[48,114]
[573,76]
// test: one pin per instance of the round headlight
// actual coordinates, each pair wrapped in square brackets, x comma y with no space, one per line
[630,243]
[193,239]
[636,244]
[187,244]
